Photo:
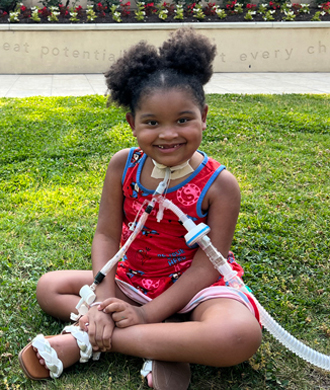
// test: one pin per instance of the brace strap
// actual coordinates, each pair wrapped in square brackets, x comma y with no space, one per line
[84,345]
[52,362]
[146,368]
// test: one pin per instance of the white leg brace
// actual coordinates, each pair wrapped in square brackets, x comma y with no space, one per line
[85,346]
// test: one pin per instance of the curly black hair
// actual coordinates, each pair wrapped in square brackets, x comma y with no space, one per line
[183,62]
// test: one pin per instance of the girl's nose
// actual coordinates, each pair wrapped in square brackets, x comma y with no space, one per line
[168,132]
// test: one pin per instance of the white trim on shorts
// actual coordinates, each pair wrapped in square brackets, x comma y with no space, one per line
[202,296]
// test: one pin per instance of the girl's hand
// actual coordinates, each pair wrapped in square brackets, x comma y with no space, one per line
[100,327]
[122,313]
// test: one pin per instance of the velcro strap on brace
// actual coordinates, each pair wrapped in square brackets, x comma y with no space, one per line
[82,340]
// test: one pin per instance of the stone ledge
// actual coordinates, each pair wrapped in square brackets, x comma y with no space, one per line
[160,26]
[92,48]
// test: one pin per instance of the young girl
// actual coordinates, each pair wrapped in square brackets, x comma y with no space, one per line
[160,275]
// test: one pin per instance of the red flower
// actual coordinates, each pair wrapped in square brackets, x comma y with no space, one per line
[23,8]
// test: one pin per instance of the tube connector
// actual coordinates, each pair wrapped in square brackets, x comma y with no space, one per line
[87,298]
[196,234]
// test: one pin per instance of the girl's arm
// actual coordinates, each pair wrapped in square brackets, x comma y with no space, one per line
[105,244]
[223,203]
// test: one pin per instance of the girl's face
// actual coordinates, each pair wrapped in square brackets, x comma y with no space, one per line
[168,126]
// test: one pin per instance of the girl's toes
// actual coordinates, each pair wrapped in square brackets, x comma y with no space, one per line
[149,379]
[41,360]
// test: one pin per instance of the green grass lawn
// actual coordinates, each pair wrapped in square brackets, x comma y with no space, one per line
[53,157]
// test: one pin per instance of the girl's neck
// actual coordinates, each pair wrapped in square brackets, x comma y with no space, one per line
[177,171]
[149,182]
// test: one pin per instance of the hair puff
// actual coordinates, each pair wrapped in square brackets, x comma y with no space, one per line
[129,71]
[189,53]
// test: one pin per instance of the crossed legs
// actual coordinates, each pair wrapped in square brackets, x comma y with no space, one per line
[222,332]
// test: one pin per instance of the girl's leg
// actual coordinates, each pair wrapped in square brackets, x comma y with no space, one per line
[58,295]
[222,332]
[58,291]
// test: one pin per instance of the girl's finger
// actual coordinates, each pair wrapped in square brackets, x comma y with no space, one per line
[123,323]
[83,323]
[114,307]
[118,316]
[107,302]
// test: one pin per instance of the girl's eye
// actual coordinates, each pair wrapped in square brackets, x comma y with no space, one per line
[152,123]
[182,120]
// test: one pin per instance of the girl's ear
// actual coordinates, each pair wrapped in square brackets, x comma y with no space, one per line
[204,116]
[131,122]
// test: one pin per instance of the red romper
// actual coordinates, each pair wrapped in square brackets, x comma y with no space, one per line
[159,255]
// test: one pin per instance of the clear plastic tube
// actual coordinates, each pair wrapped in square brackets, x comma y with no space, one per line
[285,338]
[221,264]
[162,187]
[112,262]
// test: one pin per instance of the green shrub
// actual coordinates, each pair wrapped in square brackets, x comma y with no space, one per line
[8,5]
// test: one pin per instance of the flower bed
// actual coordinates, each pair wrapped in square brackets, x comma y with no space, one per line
[122,12]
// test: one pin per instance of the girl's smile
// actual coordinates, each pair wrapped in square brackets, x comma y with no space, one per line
[168,148]
[168,126]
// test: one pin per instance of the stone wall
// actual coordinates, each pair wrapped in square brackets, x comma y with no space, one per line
[242,47]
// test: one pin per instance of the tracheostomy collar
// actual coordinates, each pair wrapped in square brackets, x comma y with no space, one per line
[177,171]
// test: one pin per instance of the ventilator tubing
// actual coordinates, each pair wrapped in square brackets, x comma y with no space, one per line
[310,355]
[87,292]
[197,234]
